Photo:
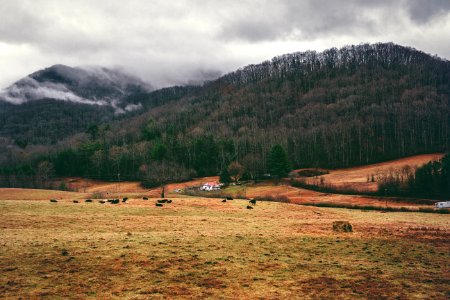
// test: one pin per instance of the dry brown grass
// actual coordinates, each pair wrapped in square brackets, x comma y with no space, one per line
[304,196]
[203,248]
[38,194]
[356,178]
[128,188]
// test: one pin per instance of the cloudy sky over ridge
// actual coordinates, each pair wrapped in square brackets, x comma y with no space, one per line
[169,42]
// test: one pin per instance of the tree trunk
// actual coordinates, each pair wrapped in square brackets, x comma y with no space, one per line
[163,190]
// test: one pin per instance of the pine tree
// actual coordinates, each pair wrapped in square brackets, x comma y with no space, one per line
[278,162]
[225,176]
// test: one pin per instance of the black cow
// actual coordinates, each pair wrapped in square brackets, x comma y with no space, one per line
[253,201]
[102,201]
[88,200]
[229,198]
[124,199]
[144,198]
[75,201]
[162,201]
[158,204]
[224,200]
[249,207]
[53,200]
[169,201]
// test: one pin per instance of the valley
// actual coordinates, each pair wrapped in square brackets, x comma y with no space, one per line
[199,247]
[317,140]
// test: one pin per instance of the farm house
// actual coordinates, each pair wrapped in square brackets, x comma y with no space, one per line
[210,186]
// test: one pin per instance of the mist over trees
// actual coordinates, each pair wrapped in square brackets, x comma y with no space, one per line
[342,107]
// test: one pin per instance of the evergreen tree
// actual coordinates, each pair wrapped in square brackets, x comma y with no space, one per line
[158,152]
[278,162]
[225,176]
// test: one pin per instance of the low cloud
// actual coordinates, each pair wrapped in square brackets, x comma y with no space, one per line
[29,89]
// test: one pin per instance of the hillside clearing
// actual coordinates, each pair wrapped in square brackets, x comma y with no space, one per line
[357,177]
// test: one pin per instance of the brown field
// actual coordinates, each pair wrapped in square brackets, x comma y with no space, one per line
[304,196]
[127,188]
[35,194]
[203,248]
[356,178]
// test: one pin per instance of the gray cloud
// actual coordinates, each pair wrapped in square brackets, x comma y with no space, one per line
[310,19]
[176,42]
[422,11]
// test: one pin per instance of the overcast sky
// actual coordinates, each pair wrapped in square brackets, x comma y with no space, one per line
[168,42]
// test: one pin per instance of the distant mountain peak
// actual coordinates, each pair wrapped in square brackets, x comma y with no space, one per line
[92,85]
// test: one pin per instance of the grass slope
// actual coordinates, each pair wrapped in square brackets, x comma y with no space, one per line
[356,177]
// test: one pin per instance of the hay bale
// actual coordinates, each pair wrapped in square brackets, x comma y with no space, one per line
[342,226]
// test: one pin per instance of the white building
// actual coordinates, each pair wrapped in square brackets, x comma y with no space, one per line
[210,186]
[445,204]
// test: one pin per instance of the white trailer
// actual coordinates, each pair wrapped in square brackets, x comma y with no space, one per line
[445,204]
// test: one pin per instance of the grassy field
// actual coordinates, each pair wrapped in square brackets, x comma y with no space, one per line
[356,177]
[203,248]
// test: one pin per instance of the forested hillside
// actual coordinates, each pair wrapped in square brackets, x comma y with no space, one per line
[342,107]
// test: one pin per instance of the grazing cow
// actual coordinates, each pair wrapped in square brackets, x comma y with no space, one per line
[162,201]
[144,198]
[249,207]
[229,198]
[115,201]
[124,199]
[88,200]
[53,200]
[224,200]
[110,200]
[102,201]
[75,201]
[169,201]
[158,204]
[253,202]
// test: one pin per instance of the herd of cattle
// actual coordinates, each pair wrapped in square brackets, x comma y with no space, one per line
[252,202]
[159,203]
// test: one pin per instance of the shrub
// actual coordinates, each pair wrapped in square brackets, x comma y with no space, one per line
[312,173]
[342,226]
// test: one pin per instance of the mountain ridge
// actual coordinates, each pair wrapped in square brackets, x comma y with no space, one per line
[341,107]
[91,85]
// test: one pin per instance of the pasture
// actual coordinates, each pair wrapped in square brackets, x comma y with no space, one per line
[203,248]
[359,178]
